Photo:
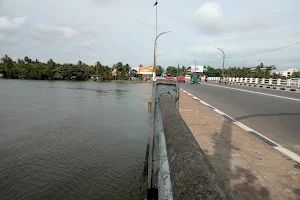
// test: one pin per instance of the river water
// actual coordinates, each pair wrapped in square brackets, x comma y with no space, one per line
[72,140]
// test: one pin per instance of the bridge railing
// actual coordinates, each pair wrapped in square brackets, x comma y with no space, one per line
[177,167]
[290,83]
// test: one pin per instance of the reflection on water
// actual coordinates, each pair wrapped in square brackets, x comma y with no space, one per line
[72,140]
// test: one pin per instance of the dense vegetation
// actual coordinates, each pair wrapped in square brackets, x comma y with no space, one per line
[34,69]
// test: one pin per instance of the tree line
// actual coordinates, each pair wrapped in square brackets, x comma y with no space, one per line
[34,69]
[260,71]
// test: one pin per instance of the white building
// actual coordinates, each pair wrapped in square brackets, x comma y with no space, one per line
[288,72]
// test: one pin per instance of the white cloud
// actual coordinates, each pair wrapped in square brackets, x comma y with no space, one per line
[3,39]
[88,43]
[49,32]
[11,26]
[209,18]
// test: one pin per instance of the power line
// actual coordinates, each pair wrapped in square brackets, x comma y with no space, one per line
[264,51]
[256,53]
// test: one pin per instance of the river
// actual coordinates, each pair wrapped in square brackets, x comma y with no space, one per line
[72,140]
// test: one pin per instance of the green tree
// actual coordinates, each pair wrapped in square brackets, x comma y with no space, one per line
[296,75]
[172,70]
[159,70]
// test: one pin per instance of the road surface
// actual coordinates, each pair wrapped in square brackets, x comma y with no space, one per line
[273,113]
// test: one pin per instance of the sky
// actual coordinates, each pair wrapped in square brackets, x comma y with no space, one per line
[110,31]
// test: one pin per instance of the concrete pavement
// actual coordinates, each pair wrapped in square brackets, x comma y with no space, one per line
[273,113]
[248,167]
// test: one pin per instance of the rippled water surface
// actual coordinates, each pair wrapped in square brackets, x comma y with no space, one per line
[72,140]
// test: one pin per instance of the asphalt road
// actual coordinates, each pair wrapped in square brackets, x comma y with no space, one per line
[273,113]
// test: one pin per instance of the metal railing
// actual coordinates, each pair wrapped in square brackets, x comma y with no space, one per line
[177,167]
[289,83]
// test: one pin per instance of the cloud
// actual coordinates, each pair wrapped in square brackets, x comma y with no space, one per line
[11,26]
[3,39]
[209,17]
[50,32]
[88,43]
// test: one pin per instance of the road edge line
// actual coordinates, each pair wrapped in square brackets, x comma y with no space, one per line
[258,135]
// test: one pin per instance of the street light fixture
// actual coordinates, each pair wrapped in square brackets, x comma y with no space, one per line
[154,63]
[195,63]
[223,60]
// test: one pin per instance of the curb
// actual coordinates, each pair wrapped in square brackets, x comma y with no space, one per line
[258,135]
[267,86]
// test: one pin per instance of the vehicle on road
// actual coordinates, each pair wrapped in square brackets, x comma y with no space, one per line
[169,77]
[224,79]
[181,79]
[195,78]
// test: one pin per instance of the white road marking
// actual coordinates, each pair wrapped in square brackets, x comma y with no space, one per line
[218,111]
[271,95]
[279,148]
[288,153]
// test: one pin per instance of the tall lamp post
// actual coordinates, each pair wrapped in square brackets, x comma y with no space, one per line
[223,60]
[154,63]
[195,63]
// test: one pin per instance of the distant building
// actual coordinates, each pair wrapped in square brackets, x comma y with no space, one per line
[145,72]
[188,70]
[114,72]
[288,72]
[274,72]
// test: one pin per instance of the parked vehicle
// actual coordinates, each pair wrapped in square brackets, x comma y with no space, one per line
[181,79]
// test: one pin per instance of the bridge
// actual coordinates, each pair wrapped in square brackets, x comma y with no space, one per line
[257,136]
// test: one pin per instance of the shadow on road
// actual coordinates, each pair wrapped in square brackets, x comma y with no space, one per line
[233,174]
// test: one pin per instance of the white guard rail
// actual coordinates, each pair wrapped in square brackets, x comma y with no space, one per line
[290,83]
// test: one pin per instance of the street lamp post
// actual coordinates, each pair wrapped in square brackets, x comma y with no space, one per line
[223,60]
[154,63]
[195,63]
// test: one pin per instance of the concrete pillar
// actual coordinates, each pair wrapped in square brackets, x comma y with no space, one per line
[279,82]
[263,81]
[270,81]
[256,80]
[251,80]
[246,79]
[288,83]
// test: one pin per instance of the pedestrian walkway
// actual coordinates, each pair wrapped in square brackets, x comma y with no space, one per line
[246,166]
